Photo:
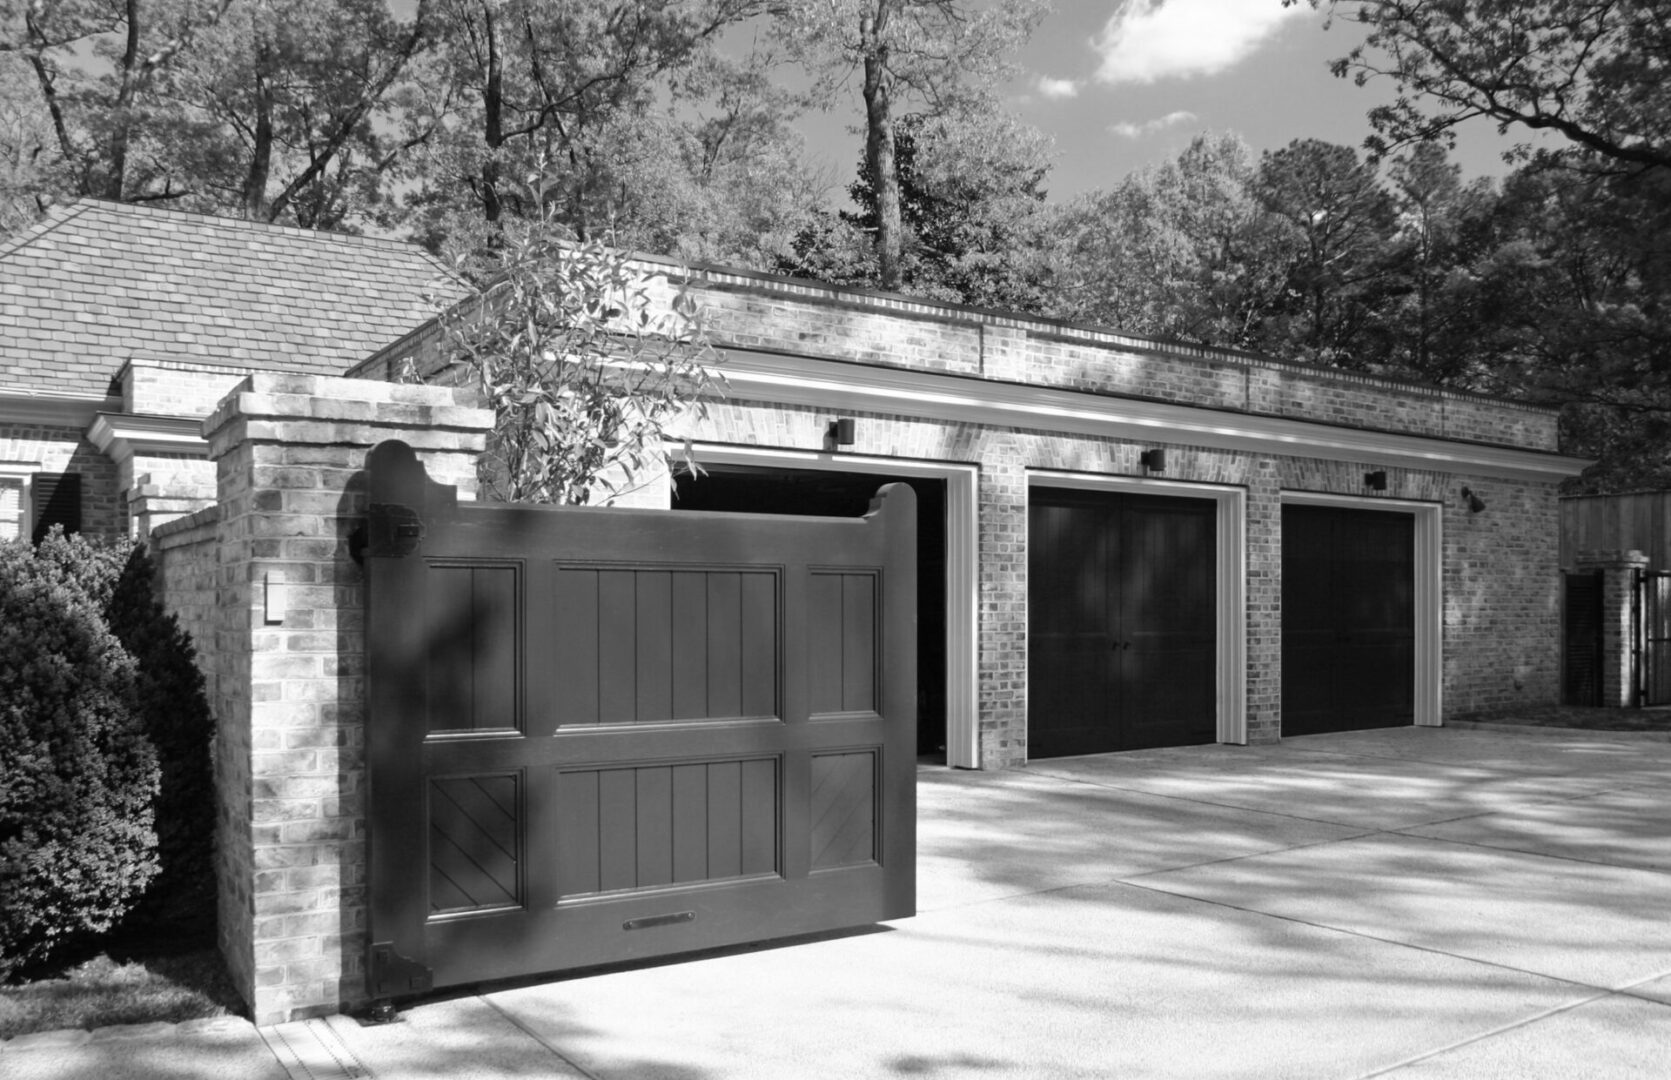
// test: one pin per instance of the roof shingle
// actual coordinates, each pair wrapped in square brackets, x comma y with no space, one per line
[96,282]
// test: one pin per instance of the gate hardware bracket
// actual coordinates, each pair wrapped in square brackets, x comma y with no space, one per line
[392,973]
[382,1011]
[393,530]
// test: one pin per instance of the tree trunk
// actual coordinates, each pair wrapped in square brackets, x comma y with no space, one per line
[261,153]
[493,101]
[879,142]
[121,115]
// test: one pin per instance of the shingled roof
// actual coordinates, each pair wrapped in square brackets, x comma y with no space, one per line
[96,282]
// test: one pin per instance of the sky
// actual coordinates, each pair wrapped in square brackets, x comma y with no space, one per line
[1121,84]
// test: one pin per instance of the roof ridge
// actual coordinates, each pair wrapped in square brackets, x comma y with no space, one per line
[313,235]
[54,217]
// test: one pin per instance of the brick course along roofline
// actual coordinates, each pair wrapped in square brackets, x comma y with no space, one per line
[732,281]
[1039,326]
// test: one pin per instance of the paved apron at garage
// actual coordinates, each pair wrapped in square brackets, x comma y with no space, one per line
[1404,902]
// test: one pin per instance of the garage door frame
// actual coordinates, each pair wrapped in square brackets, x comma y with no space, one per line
[1230,577]
[962,565]
[1428,522]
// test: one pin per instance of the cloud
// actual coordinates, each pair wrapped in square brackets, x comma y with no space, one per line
[1148,40]
[1056,89]
[1129,130]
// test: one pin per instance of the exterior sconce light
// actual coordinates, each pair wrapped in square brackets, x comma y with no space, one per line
[1473,502]
[1375,481]
[1153,460]
[841,431]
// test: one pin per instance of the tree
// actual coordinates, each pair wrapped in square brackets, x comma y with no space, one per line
[532,86]
[29,175]
[938,53]
[210,104]
[1573,311]
[282,105]
[1591,71]
[973,218]
[585,358]
[1341,220]
[1428,320]
[101,111]
[1181,251]
[718,173]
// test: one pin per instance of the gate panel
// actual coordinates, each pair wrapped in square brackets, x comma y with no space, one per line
[1654,604]
[601,735]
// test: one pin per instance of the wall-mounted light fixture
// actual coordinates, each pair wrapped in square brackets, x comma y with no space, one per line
[1473,502]
[841,431]
[1375,481]
[1153,460]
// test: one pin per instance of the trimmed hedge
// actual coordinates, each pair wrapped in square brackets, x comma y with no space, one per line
[78,777]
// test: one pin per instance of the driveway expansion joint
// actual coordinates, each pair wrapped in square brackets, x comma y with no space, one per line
[537,1037]
[1503,1029]
[1348,931]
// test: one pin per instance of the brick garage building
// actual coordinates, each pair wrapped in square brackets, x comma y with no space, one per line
[1179,538]
[1002,413]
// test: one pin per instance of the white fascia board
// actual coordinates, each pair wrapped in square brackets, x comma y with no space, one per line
[19,406]
[121,435]
[836,385]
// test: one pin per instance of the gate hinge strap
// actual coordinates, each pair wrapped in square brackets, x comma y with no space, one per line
[392,974]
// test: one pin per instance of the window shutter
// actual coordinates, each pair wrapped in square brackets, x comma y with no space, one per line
[57,501]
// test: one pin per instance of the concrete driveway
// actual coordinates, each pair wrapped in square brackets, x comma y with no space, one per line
[1410,903]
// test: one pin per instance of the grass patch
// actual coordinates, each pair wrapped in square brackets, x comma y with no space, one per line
[130,989]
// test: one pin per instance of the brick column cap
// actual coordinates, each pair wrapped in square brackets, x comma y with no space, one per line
[330,410]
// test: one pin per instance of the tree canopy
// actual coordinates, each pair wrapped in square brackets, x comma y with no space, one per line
[1590,71]
[669,126]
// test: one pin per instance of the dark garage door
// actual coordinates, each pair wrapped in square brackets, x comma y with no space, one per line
[757,489]
[1348,619]
[1120,622]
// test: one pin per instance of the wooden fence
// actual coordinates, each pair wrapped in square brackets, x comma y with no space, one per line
[1617,522]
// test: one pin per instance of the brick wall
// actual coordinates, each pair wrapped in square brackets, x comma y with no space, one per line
[189,579]
[153,386]
[1500,582]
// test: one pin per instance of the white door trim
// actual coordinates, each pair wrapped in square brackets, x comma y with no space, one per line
[1429,584]
[962,565]
[1230,576]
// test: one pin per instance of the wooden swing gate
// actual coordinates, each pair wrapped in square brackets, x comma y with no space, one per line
[600,735]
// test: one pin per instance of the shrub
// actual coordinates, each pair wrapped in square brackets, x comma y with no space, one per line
[119,579]
[78,777]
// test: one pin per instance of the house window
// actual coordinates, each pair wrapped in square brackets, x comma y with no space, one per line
[54,499]
[31,502]
[15,498]
[13,522]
